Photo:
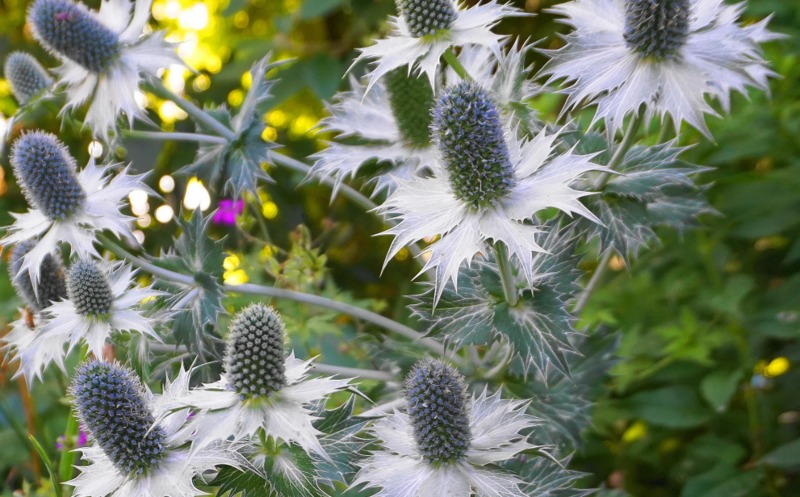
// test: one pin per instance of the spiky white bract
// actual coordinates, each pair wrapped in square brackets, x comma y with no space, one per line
[69,326]
[367,117]
[176,472]
[106,194]
[285,415]
[111,89]
[399,468]
[428,207]
[471,26]
[719,56]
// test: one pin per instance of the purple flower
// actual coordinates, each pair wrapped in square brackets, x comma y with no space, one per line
[228,210]
[63,444]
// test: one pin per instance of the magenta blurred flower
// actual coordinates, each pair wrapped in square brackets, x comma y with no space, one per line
[228,210]
[80,441]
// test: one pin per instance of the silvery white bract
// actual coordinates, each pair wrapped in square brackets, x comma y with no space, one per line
[69,207]
[116,471]
[420,35]
[369,117]
[666,56]
[101,300]
[485,188]
[104,55]
[446,442]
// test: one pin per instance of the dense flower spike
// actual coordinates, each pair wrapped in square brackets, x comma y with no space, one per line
[656,28]
[411,99]
[46,171]
[52,281]
[109,401]
[26,76]
[427,17]
[89,290]
[437,402]
[470,139]
[255,362]
[663,56]
[69,29]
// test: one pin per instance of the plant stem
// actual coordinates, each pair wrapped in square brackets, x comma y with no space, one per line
[280,293]
[382,409]
[68,455]
[163,135]
[159,89]
[367,374]
[452,60]
[622,149]
[506,274]
[602,267]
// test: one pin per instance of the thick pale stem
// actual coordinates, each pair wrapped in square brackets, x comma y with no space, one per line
[198,114]
[165,136]
[622,150]
[506,274]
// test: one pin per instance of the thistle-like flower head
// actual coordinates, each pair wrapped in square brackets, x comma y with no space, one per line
[437,408]
[104,55]
[109,401]
[411,100]
[472,144]
[52,285]
[664,55]
[427,17]
[46,172]
[26,76]
[444,442]
[69,29]
[89,290]
[255,362]
[656,28]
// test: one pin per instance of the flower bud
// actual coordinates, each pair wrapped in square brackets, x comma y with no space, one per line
[26,76]
[109,401]
[89,290]
[69,30]
[46,172]
[437,406]
[254,362]
[411,99]
[470,139]
[656,28]
[52,285]
[426,17]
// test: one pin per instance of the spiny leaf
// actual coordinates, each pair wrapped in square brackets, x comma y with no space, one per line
[544,477]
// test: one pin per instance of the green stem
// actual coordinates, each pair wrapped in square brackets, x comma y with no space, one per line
[164,136]
[159,89]
[506,274]
[452,60]
[602,267]
[366,374]
[280,293]
[68,454]
[622,149]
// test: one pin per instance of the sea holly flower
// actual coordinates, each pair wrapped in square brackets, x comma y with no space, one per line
[101,300]
[104,55]
[133,454]
[260,390]
[391,124]
[665,55]
[486,185]
[446,443]
[426,29]
[69,207]
[26,76]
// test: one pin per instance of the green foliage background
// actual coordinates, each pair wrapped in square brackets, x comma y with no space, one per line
[693,406]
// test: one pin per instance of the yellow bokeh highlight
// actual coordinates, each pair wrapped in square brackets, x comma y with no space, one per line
[777,367]
[235,98]
[266,253]
[276,118]
[5,88]
[269,134]
[241,19]
[201,83]
[402,254]
[231,263]
[247,80]
[237,277]
[269,210]
[169,112]
[636,431]
[303,125]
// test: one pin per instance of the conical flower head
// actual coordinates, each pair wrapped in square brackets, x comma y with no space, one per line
[69,30]
[52,285]
[254,363]
[656,28]
[426,17]
[89,290]
[471,142]
[46,172]
[411,99]
[109,401]
[26,76]
[437,406]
